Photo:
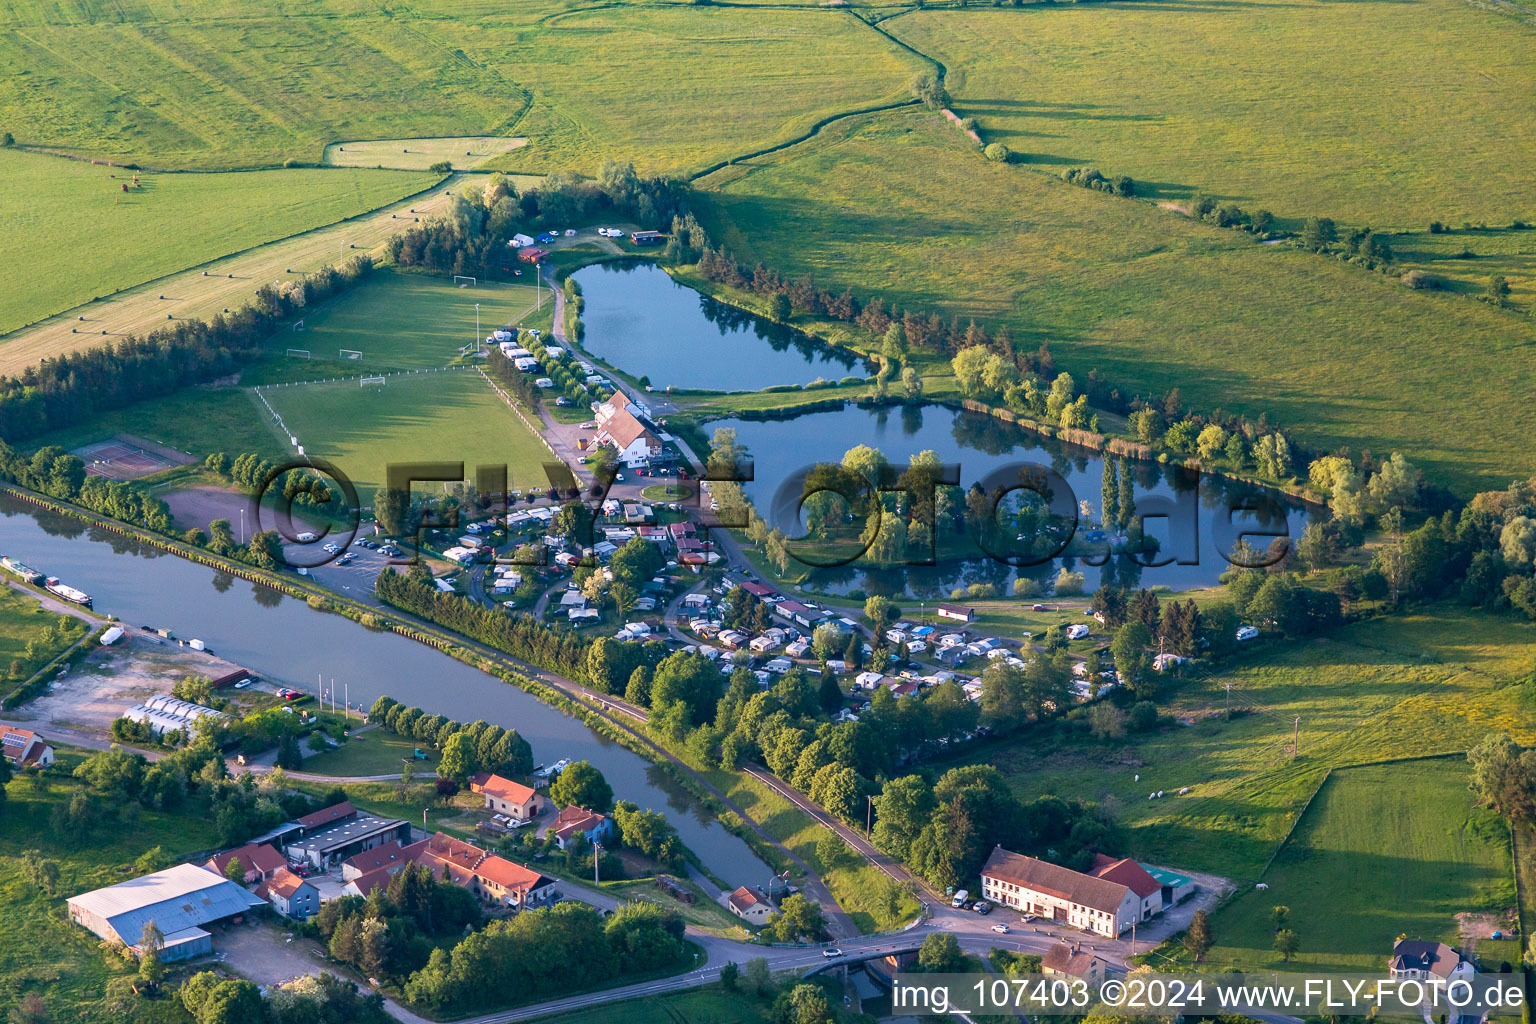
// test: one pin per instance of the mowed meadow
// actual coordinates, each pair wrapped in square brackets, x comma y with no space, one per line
[901,205]
[1375,113]
[1432,682]
[72,234]
[667,86]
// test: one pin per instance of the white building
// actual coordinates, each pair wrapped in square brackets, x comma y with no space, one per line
[1103,902]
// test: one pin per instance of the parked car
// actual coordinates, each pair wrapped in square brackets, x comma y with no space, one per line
[960,899]
[982,907]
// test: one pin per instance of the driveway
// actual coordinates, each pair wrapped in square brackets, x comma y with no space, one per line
[267,953]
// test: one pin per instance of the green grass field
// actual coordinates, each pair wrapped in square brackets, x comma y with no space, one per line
[1464,258]
[60,961]
[79,236]
[1334,353]
[669,86]
[447,416]
[1382,851]
[199,420]
[419,154]
[22,621]
[1426,683]
[1289,106]
[405,321]
[375,752]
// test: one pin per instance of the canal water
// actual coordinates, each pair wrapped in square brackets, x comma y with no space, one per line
[640,320]
[284,640]
[980,445]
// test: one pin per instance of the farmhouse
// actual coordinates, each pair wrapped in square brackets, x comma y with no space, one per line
[504,796]
[749,906]
[498,880]
[290,895]
[259,860]
[632,440]
[1072,963]
[1059,894]
[25,748]
[180,900]
[575,821]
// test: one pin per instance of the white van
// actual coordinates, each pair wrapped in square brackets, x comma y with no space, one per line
[960,899]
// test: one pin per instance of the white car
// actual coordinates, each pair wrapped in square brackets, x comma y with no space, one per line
[832,953]
[570,232]
[619,477]
[1001,929]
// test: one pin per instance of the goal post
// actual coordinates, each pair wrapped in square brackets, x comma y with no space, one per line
[298,353]
[364,382]
[464,281]
[349,353]
[298,325]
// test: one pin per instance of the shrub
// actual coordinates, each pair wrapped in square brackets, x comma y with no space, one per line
[998,153]
[7,140]
[441,167]
[1419,279]
[1436,228]
[969,124]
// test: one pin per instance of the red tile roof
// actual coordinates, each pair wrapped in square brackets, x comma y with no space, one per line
[339,812]
[506,789]
[378,879]
[388,855]
[259,858]
[573,819]
[744,899]
[285,883]
[1129,874]
[1054,880]
[502,872]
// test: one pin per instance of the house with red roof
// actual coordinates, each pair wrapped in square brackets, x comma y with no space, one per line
[1056,893]
[260,861]
[291,895]
[498,880]
[1135,878]
[515,800]
[25,748]
[1072,962]
[578,821]
[749,906]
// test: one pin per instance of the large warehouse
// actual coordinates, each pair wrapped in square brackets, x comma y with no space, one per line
[179,900]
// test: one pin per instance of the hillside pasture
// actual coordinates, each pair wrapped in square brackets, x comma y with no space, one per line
[1382,851]
[900,205]
[405,321]
[419,154]
[1432,682]
[228,282]
[433,416]
[1380,114]
[73,234]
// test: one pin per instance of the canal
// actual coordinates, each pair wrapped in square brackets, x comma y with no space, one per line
[284,640]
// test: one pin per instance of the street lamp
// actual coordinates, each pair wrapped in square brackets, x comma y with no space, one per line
[477,326]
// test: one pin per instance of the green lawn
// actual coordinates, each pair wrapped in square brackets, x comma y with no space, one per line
[221,86]
[434,416]
[898,205]
[60,961]
[375,752]
[1423,683]
[1290,106]
[80,236]
[405,321]
[857,885]
[23,621]
[1464,258]
[197,420]
[1382,851]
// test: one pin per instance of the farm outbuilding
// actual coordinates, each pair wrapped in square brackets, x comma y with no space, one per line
[180,900]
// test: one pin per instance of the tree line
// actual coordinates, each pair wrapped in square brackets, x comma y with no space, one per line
[393,930]
[563,948]
[467,749]
[63,390]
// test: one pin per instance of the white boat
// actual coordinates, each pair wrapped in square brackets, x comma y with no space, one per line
[68,593]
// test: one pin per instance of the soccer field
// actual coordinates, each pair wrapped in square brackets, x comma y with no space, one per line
[407,321]
[436,416]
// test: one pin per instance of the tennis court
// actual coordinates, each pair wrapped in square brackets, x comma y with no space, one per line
[125,457]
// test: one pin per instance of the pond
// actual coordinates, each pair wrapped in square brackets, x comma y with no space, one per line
[285,641]
[1195,531]
[640,320]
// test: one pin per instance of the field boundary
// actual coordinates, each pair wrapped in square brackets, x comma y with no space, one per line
[447,178]
[512,404]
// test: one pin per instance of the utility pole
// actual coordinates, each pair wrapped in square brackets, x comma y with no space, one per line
[597,856]
[1229,700]
[1296,738]
[869,811]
